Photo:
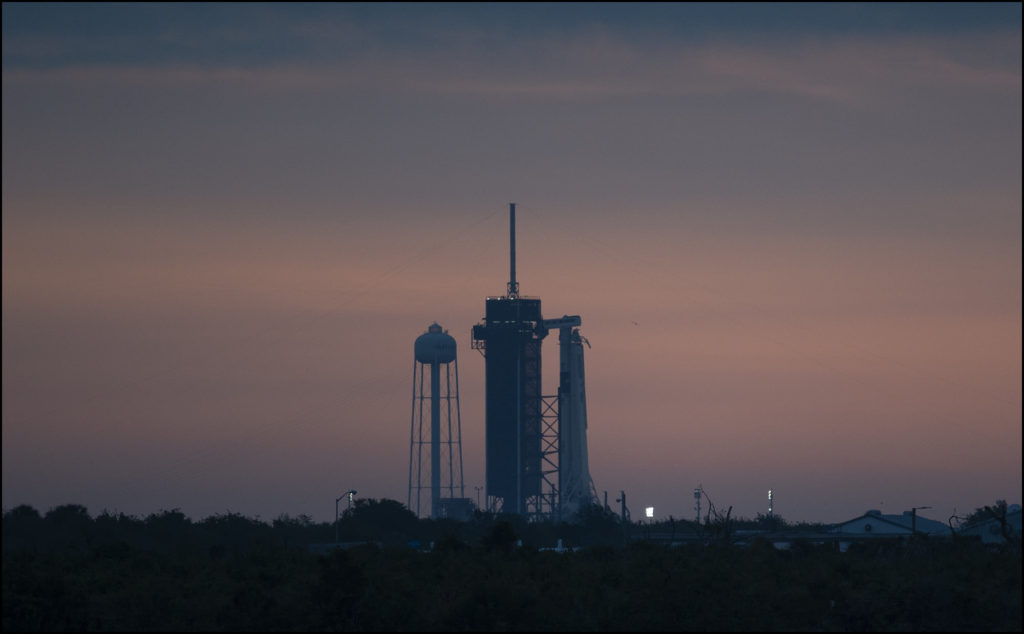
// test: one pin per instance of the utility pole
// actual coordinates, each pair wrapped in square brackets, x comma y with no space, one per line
[623,507]
[913,518]
[625,517]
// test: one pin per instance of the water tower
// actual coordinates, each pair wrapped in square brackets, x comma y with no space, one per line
[440,430]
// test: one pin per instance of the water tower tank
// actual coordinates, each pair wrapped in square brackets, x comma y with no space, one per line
[434,346]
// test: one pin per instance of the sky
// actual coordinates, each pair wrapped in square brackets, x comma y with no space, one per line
[792,232]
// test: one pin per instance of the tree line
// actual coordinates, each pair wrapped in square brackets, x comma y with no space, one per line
[65,570]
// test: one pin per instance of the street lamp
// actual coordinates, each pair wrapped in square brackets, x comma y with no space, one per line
[913,518]
[348,494]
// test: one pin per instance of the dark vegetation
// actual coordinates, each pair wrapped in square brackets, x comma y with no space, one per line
[66,570]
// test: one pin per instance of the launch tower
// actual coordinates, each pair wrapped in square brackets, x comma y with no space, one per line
[535,445]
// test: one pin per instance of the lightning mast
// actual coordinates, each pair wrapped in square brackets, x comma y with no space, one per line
[513,285]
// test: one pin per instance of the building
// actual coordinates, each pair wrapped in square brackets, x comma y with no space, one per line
[874,525]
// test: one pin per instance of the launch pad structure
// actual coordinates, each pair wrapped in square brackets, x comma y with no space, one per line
[536,445]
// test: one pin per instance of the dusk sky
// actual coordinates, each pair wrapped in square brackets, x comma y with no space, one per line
[792,231]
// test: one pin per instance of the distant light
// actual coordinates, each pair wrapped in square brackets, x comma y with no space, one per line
[649,511]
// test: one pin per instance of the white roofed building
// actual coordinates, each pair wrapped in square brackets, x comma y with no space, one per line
[876,525]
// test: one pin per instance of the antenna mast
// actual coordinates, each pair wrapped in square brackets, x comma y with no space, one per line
[513,286]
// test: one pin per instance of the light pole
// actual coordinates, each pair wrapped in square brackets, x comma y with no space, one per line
[477,496]
[348,494]
[913,518]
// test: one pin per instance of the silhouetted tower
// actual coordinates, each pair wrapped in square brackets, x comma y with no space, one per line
[435,349]
[510,339]
[537,461]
